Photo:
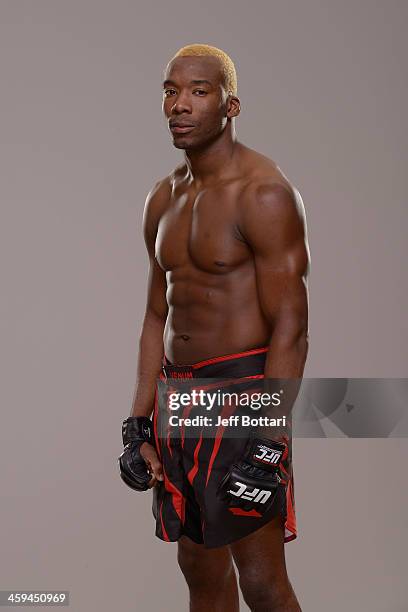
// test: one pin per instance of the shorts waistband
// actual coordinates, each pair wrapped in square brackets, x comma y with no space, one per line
[236,365]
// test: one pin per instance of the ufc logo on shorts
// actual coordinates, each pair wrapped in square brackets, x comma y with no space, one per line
[257,495]
[268,455]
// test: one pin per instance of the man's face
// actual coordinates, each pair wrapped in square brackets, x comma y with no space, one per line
[195,102]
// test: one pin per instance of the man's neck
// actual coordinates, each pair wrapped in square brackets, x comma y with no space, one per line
[214,163]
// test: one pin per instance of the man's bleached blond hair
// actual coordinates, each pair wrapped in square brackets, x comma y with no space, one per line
[227,65]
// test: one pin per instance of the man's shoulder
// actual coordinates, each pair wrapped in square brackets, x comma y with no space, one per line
[155,205]
[158,200]
[159,196]
[159,193]
[267,196]
[266,186]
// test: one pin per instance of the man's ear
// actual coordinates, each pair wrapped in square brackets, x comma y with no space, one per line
[233,106]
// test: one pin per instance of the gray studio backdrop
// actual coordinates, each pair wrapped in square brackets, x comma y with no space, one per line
[324,93]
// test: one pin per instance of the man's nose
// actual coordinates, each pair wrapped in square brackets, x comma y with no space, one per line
[181,105]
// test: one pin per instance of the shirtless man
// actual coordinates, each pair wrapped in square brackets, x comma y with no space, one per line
[226,238]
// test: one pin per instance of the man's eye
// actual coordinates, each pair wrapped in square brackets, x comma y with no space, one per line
[200,92]
[169,92]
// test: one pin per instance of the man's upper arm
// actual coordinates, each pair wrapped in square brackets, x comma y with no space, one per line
[157,286]
[275,229]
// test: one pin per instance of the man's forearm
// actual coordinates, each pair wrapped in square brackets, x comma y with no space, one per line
[283,375]
[286,356]
[150,360]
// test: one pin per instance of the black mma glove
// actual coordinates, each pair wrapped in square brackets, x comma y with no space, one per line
[252,482]
[132,466]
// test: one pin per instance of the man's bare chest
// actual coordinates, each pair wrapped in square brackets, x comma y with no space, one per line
[202,231]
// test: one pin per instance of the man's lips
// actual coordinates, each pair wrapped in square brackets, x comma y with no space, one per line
[180,128]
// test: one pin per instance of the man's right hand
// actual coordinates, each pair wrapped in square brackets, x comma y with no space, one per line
[154,466]
[139,465]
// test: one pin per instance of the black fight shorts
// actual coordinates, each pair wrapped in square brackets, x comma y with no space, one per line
[186,502]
